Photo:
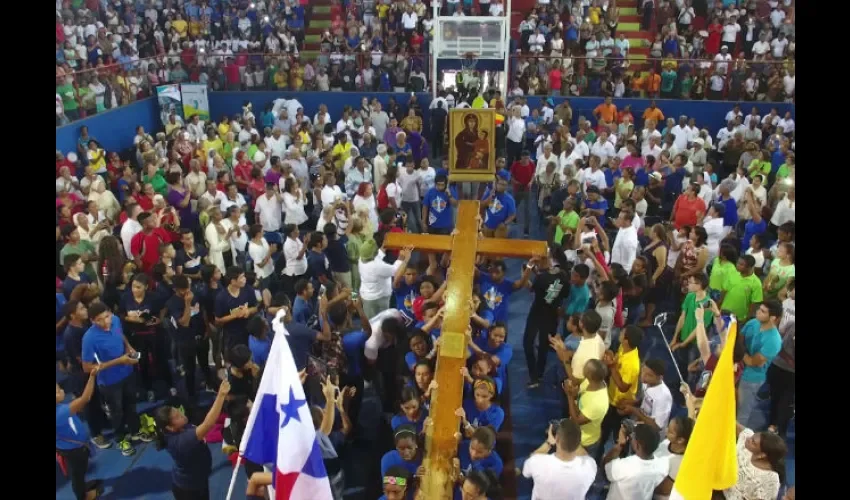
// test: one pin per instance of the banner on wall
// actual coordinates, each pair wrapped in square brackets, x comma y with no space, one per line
[170,101]
[195,101]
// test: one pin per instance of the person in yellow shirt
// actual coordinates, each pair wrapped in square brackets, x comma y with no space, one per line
[224,126]
[341,152]
[412,122]
[594,13]
[624,369]
[180,25]
[213,141]
[383,9]
[588,404]
[281,79]
[195,28]
[479,102]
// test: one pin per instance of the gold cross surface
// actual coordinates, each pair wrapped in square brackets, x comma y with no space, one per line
[464,245]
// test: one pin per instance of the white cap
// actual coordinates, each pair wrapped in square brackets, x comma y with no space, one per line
[700,141]
[72,157]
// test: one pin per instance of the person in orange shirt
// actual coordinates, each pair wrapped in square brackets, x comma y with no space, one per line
[606,111]
[653,83]
[653,113]
[637,84]
[626,112]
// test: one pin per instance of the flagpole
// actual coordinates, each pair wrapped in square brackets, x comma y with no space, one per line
[233,476]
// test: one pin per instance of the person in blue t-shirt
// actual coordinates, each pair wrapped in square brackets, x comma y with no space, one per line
[492,344]
[105,346]
[478,453]
[436,208]
[406,289]
[406,453]
[185,443]
[74,275]
[259,341]
[396,481]
[496,290]
[479,484]
[420,348]
[595,205]
[302,308]
[763,343]
[72,438]
[317,263]
[190,334]
[412,412]
[579,296]
[500,209]
[482,410]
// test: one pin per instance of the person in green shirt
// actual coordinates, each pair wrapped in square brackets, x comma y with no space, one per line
[784,169]
[782,269]
[684,337]
[685,85]
[760,165]
[153,176]
[565,221]
[668,80]
[75,246]
[723,265]
[69,100]
[742,289]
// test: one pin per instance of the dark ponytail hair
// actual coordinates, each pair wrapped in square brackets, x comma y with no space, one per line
[162,419]
[774,449]
[487,483]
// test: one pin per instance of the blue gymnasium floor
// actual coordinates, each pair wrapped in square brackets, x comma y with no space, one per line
[146,475]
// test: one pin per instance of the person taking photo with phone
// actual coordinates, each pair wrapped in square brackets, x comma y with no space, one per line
[72,438]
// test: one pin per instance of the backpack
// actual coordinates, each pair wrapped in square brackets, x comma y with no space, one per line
[383,198]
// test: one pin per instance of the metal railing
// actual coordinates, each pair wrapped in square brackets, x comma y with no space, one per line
[95,90]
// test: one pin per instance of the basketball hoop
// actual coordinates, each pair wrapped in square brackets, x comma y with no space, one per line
[468,63]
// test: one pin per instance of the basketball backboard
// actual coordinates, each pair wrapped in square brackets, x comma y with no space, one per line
[455,37]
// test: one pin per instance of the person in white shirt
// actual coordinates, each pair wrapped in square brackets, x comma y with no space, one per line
[269,208]
[376,277]
[602,148]
[293,202]
[515,135]
[672,449]
[789,83]
[636,476]
[294,251]
[625,248]
[213,196]
[387,328]
[680,134]
[735,113]
[730,33]
[787,123]
[593,176]
[657,402]
[130,228]
[566,474]
[260,253]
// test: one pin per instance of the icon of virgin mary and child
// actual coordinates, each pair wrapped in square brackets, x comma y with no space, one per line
[472,145]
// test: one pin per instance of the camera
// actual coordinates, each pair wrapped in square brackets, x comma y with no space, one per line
[628,427]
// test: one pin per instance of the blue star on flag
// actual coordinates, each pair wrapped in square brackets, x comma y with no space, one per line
[290,409]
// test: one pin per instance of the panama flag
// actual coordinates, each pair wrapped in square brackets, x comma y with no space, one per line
[280,429]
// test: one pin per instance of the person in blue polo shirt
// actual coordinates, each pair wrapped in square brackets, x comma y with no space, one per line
[436,207]
[72,438]
[501,209]
[106,347]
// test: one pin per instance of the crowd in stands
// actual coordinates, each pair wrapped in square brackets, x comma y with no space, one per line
[109,54]
[702,50]
[179,252]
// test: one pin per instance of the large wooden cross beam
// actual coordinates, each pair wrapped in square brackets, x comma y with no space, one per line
[464,245]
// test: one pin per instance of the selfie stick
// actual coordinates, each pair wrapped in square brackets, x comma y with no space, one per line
[659,321]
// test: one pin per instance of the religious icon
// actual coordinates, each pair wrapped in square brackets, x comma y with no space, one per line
[472,144]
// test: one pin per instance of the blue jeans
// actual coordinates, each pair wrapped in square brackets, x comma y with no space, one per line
[747,401]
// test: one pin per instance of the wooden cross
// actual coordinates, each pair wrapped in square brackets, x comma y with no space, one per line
[464,245]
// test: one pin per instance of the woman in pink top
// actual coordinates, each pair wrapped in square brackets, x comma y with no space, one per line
[633,160]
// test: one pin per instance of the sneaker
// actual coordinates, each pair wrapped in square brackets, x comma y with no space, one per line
[126,448]
[142,436]
[533,384]
[101,442]
[151,397]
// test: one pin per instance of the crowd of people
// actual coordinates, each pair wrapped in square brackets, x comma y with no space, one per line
[109,54]
[701,50]
[173,258]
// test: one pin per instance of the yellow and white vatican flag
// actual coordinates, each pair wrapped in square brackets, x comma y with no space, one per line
[710,461]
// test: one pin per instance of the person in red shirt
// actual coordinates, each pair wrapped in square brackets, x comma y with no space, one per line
[144,246]
[555,79]
[145,198]
[242,172]
[428,293]
[522,174]
[231,71]
[61,161]
[688,208]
